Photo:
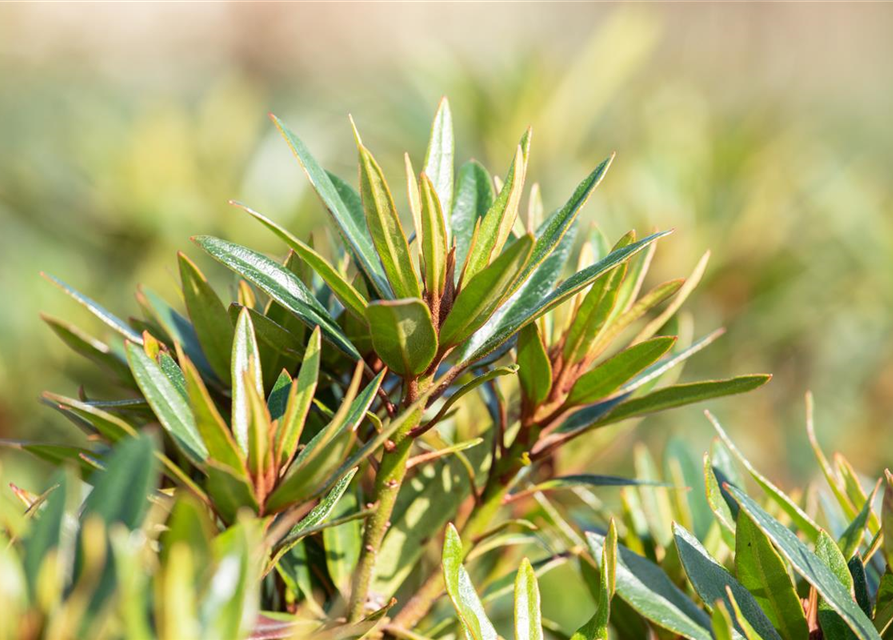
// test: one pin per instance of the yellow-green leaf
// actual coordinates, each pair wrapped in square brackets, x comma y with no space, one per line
[402,334]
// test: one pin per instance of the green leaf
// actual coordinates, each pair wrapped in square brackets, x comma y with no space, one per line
[45,533]
[347,419]
[229,491]
[597,626]
[535,367]
[121,491]
[439,156]
[280,284]
[860,584]
[680,395]
[711,580]
[833,626]
[270,333]
[402,334]
[649,591]
[722,622]
[808,565]
[584,480]
[528,619]
[300,397]
[851,538]
[210,424]
[97,310]
[352,299]
[343,543]
[749,632]
[610,375]
[258,435]
[336,196]
[317,515]
[764,574]
[433,238]
[90,348]
[887,517]
[592,314]
[496,225]
[209,317]
[177,328]
[109,426]
[385,228]
[803,521]
[461,591]
[485,292]
[550,235]
[883,609]
[526,297]
[513,321]
[246,369]
[169,406]
[474,197]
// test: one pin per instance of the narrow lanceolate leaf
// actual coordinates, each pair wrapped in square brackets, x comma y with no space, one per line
[168,404]
[680,395]
[474,197]
[597,626]
[434,239]
[528,619]
[281,285]
[763,573]
[258,435]
[439,156]
[513,321]
[585,480]
[461,591]
[534,365]
[497,224]
[352,299]
[98,310]
[350,220]
[483,294]
[385,228]
[740,619]
[245,360]
[808,565]
[89,347]
[710,580]
[45,533]
[300,397]
[800,518]
[559,222]
[320,512]
[610,375]
[209,317]
[851,538]
[121,491]
[402,334]
[593,312]
[650,592]
[208,421]
[832,624]
[887,516]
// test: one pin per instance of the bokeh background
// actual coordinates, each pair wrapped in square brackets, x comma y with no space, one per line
[759,131]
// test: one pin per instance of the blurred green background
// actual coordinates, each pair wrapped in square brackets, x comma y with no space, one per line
[759,131]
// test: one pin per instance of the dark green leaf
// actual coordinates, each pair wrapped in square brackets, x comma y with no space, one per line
[474,197]
[97,310]
[485,292]
[352,300]
[281,285]
[764,574]
[209,317]
[648,590]
[597,626]
[610,375]
[168,404]
[809,566]
[89,347]
[512,322]
[45,533]
[710,579]
[336,196]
